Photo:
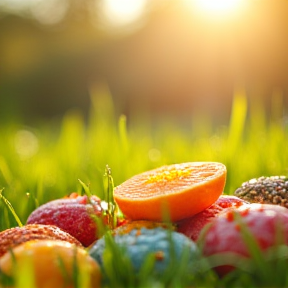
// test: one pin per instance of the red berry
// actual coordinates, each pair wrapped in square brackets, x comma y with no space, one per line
[15,236]
[192,227]
[75,215]
[224,233]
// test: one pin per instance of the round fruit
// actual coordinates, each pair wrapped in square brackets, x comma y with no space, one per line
[193,226]
[157,242]
[138,225]
[52,264]
[182,190]
[265,222]
[265,190]
[75,215]
[12,237]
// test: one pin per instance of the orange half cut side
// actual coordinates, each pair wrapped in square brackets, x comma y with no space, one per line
[182,189]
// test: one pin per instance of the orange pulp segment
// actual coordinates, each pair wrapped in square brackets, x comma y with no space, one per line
[183,189]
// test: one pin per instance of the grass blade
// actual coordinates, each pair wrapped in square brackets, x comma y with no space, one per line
[10,207]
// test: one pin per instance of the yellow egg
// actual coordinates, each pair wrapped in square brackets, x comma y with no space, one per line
[50,264]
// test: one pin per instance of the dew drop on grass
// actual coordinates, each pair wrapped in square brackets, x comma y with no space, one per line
[154,155]
[26,144]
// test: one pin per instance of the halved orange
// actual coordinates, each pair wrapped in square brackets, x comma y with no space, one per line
[182,189]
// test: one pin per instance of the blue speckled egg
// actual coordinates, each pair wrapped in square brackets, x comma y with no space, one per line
[166,246]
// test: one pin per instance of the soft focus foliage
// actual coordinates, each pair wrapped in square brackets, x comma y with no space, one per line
[43,162]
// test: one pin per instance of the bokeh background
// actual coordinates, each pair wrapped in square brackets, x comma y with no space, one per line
[137,84]
[169,58]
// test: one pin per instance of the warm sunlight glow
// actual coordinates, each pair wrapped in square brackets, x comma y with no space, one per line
[45,11]
[215,6]
[124,11]
[218,5]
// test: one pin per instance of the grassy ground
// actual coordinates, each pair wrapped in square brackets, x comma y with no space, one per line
[44,162]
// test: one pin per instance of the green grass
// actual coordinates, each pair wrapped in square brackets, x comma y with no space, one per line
[45,161]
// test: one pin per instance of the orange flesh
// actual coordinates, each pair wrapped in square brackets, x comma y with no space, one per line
[184,189]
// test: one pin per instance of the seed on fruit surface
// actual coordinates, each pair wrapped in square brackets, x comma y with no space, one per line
[265,190]
[14,236]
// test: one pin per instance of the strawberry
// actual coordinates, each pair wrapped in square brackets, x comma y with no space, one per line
[76,215]
[265,222]
[192,226]
[15,236]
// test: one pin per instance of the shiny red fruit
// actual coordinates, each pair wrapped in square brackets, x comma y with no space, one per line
[265,222]
[193,226]
[80,216]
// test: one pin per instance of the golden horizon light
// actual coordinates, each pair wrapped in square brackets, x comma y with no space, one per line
[215,7]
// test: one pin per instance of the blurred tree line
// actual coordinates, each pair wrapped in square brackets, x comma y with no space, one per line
[172,61]
[45,68]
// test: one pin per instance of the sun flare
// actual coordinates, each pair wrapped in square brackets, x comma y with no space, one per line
[124,11]
[215,6]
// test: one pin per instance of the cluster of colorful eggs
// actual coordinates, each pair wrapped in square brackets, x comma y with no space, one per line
[64,237]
